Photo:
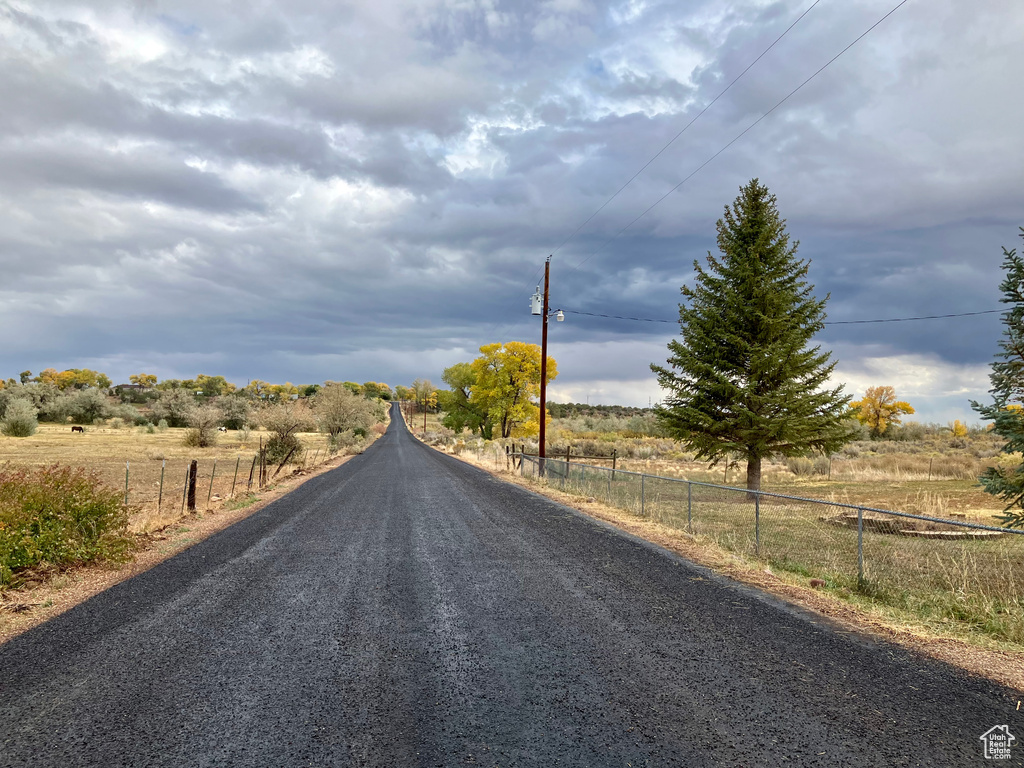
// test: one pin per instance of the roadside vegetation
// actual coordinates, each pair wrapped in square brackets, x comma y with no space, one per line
[55,517]
[87,467]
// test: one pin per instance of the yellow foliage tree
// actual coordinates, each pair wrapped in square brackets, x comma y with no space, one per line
[144,380]
[958,428]
[74,378]
[507,381]
[879,409]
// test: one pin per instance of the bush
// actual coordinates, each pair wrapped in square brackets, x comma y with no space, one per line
[801,466]
[279,447]
[19,419]
[174,407]
[162,425]
[235,411]
[58,516]
[203,421]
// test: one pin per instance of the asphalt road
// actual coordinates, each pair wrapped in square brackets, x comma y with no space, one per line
[408,610]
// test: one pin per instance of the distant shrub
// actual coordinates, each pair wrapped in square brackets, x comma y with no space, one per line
[203,422]
[19,419]
[129,414]
[162,425]
[801,466]
[58,516]
[116,423]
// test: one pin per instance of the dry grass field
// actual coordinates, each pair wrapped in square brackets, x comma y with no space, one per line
[146,455]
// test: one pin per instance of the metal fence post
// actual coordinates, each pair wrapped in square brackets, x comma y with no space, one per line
[160,498]
[235,480]
[860,546]
[757,523]
[689,507]
[642,500]
[213,474]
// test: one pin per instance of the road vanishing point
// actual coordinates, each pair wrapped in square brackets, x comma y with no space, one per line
[406,609]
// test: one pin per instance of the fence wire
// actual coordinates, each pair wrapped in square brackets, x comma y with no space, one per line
[951,568]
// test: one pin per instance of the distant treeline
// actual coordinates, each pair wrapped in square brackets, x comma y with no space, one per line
[574,410]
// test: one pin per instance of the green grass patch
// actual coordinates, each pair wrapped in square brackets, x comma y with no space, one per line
[242,502]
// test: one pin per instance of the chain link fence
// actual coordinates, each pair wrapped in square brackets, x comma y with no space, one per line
[963,571]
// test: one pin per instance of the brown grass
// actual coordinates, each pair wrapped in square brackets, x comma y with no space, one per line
[106,451]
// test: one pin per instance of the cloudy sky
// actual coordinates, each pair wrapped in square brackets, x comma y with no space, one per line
[320,189]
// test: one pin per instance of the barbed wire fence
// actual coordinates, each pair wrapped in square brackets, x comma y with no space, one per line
[966,570]
[173,486]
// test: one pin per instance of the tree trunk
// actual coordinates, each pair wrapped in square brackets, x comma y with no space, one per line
[753,473]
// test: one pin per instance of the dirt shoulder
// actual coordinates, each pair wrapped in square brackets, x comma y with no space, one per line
[998,664]
[50,594]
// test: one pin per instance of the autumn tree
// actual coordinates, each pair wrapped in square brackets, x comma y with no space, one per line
[374,390]
[1007,379]
[212,386]
[507,383]
[460,410]
[879,409]
[257,389]
[423,394]
[144,380]
[744,378]
[74,378]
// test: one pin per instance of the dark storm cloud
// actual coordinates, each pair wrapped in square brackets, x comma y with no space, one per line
[321,190]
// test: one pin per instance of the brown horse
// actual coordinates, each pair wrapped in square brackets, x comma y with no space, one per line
[78,429]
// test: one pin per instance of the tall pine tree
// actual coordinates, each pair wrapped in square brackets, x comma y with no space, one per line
[743,377]
[1007,409]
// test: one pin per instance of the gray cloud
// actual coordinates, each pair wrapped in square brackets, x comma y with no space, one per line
[319,190]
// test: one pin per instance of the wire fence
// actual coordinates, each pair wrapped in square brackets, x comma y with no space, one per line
[173,486]
[967,571]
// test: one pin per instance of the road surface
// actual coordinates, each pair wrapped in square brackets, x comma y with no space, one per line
[408,610]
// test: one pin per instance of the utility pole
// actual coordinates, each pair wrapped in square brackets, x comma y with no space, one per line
[540,305]
[542,450]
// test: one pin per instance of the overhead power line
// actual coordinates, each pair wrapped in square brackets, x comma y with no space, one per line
[686,127]
[672,140]
[834,322]
[741,134]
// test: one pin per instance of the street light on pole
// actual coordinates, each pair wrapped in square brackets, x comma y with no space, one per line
[541,306]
